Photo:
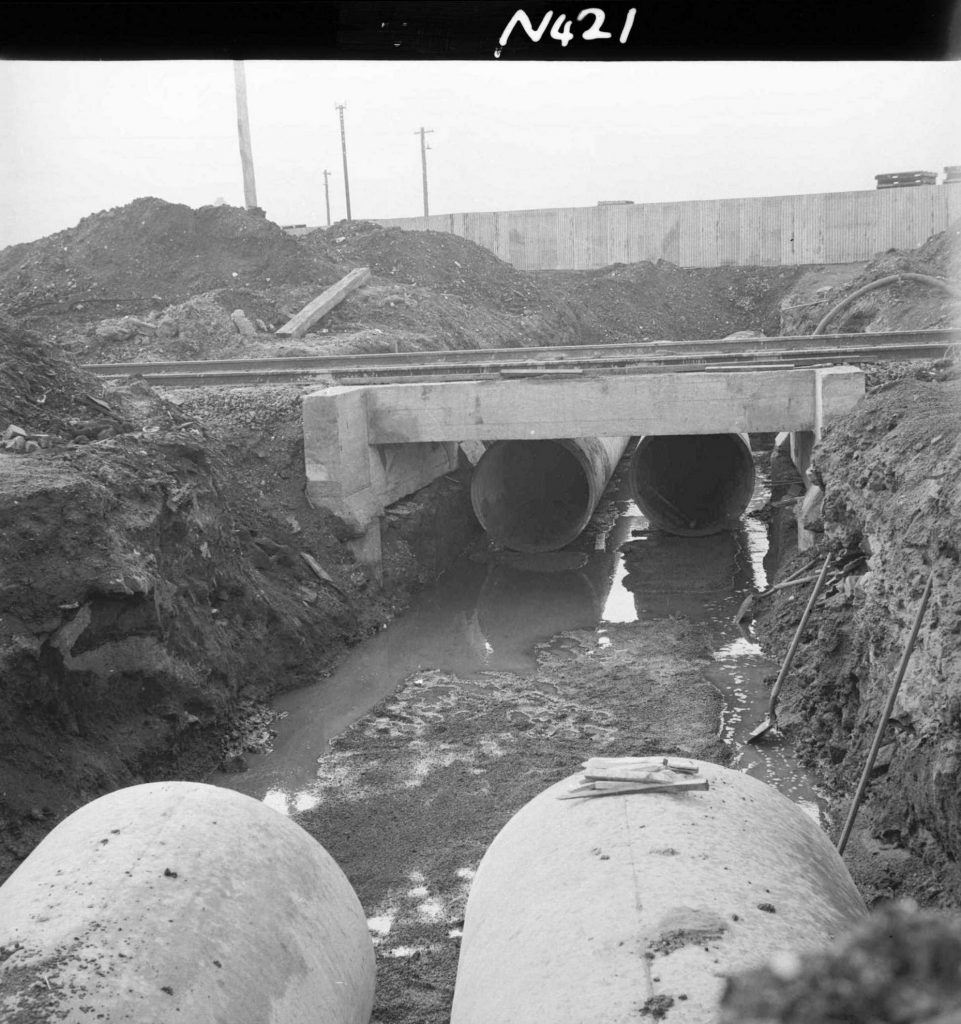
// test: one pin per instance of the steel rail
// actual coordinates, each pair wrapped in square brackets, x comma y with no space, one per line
[924,341]
[717,362]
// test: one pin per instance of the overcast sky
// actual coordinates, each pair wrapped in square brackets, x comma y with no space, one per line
[79,137]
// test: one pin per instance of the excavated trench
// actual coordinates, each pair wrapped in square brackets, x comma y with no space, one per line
[494,609]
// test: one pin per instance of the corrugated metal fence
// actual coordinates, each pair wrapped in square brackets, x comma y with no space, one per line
[833,227]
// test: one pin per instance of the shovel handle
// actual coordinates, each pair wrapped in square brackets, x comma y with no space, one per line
[789,657]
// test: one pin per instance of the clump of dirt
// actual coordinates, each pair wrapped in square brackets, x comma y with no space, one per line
[146,589]
[687,926]
[900,965]
[661,301]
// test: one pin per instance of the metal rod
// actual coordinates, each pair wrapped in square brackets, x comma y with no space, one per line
[885,716]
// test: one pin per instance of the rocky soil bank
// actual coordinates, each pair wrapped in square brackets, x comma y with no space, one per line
[891,517]
[154,585]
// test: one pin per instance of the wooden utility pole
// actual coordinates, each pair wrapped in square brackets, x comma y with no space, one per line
[423,164]
[343,149]
[243,131]
[327,195]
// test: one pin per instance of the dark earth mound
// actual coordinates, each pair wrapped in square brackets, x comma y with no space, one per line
[148,254]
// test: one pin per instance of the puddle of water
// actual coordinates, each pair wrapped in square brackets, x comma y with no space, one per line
[483,617]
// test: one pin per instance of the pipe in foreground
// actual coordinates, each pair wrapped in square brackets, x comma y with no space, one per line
[177,901]
[609,908]
[539,495]
[693,485]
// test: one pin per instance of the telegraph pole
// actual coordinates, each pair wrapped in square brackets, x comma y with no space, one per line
[243,131]
[343,148]
[423,163]
[327,195]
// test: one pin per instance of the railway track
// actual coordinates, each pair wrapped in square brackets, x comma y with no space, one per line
[641,357]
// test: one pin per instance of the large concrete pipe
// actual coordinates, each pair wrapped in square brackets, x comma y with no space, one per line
[693,484]
[607,908]
[539,495]
[177,901]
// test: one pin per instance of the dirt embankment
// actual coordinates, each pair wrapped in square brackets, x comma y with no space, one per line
[661,301]
[891,516]
[153,583]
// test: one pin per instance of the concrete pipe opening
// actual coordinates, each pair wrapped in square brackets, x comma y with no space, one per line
[539,495]
[693,485]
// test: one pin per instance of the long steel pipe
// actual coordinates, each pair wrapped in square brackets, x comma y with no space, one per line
[539,495]
[693,485]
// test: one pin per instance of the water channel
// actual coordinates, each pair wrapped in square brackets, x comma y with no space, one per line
[490,609]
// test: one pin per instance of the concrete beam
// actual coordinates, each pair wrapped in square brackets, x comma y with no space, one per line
[611,406]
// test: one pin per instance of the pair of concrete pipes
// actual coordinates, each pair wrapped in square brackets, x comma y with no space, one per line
[540,495]
[177,901]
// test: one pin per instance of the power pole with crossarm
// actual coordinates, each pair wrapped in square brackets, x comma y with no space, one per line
[423,163]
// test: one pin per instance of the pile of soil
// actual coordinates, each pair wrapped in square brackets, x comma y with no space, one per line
[434,260]
[908,305]
[155,280]
[661,301]
[146,255]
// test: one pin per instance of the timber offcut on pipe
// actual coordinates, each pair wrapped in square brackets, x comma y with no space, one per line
[182,902]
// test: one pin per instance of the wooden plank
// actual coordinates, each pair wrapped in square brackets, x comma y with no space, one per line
[298,325]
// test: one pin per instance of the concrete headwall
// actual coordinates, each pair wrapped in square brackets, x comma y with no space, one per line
[831,227]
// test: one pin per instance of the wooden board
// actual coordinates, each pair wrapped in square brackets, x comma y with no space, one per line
[298,325]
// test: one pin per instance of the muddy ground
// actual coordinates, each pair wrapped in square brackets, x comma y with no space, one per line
[427,779]
[154,590]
